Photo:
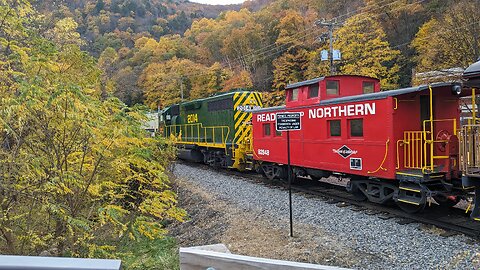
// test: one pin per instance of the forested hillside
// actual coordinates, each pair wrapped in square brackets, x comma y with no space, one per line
[149,50]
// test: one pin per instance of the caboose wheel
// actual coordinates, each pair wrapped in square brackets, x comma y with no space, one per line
[271,171]
[447,201]
[355,189]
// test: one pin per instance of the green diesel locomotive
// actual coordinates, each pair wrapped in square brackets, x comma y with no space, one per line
[216,130]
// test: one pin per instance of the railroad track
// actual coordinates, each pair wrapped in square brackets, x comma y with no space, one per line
[452,220]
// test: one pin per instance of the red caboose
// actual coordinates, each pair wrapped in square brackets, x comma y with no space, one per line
[398,144]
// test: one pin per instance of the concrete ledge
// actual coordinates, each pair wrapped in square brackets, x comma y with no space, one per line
[197,258]
[56,263]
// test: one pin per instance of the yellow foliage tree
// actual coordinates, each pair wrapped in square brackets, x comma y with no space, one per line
[164,83]
[291,66]
[452,40]
[77,174]
[365,51]
[238,80]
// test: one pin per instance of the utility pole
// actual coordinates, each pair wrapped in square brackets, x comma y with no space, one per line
[332,24]
[181,89]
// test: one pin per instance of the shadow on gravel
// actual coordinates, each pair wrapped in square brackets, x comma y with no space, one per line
[204,225]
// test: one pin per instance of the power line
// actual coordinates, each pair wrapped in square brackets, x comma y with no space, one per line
[332,24]
[258,55]
[307,31]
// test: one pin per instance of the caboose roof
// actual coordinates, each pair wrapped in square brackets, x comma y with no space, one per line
[383,94]
[364,97]
[300,84]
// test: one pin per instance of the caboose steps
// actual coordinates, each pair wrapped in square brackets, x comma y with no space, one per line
[411,197]
[418,176]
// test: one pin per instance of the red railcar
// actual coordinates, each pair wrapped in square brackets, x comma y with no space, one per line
[399,144]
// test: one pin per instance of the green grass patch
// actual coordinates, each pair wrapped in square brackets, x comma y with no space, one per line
[145,253]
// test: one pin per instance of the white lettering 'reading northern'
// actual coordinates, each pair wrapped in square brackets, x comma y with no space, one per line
[343,110]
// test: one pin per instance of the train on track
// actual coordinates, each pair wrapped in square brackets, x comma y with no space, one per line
[410,146]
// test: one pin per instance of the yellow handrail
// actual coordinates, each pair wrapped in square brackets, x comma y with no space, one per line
[413,151]
[431,141]
[474,109]
[384,158]
[416,152]
[181,133]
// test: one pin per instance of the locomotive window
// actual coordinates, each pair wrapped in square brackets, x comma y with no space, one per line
[335,128]
[313,91]
[332,88]
[266,129]
[220,105]
[356,127]
[294,94]
[175,110]
[368,87]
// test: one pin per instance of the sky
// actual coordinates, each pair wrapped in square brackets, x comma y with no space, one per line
[218,2]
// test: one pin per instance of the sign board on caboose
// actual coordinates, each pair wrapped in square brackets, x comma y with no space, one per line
[288,121]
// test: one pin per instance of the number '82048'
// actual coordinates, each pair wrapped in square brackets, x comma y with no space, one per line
[264,152]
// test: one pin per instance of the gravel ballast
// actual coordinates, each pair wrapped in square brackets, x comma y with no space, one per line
[350,238]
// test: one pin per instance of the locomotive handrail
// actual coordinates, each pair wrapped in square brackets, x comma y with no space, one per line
[224,131]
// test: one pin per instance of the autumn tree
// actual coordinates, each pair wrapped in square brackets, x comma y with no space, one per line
[400,21]
[240,79]
[365,51]
[165,83]
[452,40]
[76,172]
[206,35]
[291,66]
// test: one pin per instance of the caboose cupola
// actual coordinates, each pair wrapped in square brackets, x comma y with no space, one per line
[313,91]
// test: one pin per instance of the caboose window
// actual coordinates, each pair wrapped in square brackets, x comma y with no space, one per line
[266,129]
[356,127]
[294,94]
[313,91]
[368,87]
[335,128]
[332,88]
